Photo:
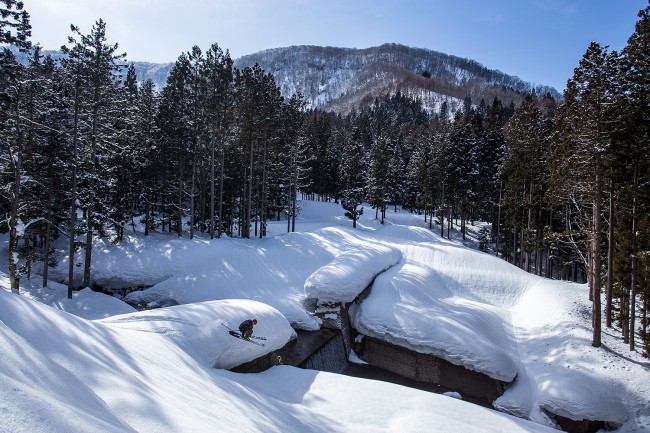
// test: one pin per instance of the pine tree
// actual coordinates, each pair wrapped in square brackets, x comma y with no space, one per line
[524,172]
[396,175]
[631,141]
[295,143]
[146,156]
[258,110]
[376,187]
[218,103]
[14,151]
[583,141]
[353,176]
[172,120]
[15,28]
[93,66]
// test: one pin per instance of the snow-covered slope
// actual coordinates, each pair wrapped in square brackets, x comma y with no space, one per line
[342,78]
[153,370]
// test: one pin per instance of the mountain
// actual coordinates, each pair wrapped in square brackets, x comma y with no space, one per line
[156,72]
[340,79]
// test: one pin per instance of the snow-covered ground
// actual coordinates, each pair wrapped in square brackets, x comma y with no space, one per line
[93,363]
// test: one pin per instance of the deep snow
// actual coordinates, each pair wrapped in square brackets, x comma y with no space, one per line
[105,367]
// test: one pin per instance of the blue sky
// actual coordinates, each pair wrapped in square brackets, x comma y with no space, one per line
[540,41]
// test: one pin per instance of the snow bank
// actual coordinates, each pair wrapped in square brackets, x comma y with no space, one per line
[345,277]
[201,329]
[565,374]
[410,307]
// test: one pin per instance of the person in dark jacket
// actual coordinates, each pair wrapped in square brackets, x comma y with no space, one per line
[246,328]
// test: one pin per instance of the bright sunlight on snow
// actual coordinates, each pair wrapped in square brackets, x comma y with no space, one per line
[94,364]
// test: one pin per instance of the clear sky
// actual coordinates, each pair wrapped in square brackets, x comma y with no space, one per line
[540,41]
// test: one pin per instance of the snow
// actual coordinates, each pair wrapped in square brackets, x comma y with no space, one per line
[345,277]
[93,363]
[198,329]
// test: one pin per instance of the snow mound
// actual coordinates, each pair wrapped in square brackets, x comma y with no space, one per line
[345,277]
[84,303]
[578,396]
[201,329]
[410,306]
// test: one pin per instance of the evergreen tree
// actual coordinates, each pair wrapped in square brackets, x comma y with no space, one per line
[629,119]
[14,153]
[146,157]
[581,148]
[396,175]
[376,187]
[172,120]
[353,176]
[15,28]
[297,151]
[218,103]
[94,66]
[524,173]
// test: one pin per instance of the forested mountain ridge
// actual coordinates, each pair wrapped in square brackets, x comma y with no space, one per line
[339,79]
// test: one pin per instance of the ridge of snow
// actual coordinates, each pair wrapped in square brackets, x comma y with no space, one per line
[345,277]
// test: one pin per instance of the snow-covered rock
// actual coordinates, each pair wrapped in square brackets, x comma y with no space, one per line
[201,329]
[345,277]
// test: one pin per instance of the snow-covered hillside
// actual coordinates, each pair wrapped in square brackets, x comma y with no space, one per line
[341,78]
[106,367]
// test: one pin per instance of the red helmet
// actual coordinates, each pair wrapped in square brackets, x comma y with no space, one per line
[254,321]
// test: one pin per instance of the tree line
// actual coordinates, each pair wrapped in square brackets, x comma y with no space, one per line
[88,151]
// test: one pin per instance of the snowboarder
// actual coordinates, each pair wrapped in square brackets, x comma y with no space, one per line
[246,328]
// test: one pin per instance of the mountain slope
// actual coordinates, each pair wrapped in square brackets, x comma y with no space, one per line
[339,78]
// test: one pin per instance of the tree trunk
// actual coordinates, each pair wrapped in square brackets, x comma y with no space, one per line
[263,204]
[146,217]
[595,250]
[212,192]
[610,259]
[14,279]
[295,204]
[192,194]
[442,213]
[48,230]
[221,175]
[73,192]
[91,187]
[249,198]
[634,252]
[521,248]
[496,243]
[179,216]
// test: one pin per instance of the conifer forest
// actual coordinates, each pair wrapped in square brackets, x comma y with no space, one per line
[563,184]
